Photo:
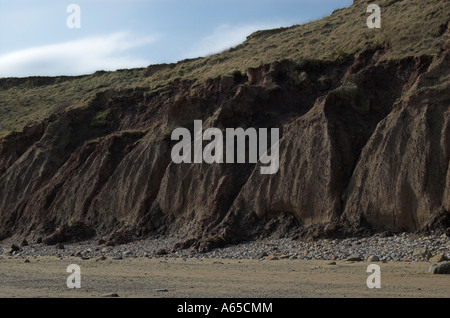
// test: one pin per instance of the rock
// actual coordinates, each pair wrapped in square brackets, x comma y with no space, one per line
[285,256]
[60,246]
[110,295]
[7,251]
[373,258]
[78,254]
[420,252]
[117,258]
[74,231]
[442,268]
[127,253]
[331,263]
[101,258]
[271,258]
[161,252]
[162,290]
[437,258]
[12,250]
[432,267]
[24,243]
[354,258]
[101,242]
[27,261]
[262,255]
[183,244]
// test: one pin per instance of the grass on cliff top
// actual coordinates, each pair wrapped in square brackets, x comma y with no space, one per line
[409,28]
[26,103]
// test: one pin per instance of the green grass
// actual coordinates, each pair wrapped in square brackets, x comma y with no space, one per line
[409,28]
[100,118]
[24,104]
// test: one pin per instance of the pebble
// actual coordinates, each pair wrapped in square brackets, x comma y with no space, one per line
[262,255]
[403,247]
[354,258]
[162,290]
[161,251]
[127,253]
[110,295]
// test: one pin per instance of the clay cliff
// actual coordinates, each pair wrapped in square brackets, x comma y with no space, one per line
[364,145]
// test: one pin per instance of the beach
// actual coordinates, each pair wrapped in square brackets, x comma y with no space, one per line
[217,274]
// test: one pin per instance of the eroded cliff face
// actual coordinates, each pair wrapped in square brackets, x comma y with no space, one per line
[401,180]
[364,147]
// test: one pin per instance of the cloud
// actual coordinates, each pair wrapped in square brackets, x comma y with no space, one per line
[109,52]
[225,37]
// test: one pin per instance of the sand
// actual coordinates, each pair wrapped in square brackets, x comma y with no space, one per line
[216,278]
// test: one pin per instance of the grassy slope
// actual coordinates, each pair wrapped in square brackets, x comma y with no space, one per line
[409,28]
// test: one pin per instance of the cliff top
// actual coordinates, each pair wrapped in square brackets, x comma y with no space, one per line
[409,28]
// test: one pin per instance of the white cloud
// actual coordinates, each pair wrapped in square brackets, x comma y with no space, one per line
[225,37]
[109,52]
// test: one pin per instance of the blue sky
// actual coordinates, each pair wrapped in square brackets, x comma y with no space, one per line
[115,34]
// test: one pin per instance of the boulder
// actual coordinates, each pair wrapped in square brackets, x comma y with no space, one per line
[441,268]
[355,258]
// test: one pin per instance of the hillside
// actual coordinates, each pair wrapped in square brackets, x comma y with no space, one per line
[410,28]
[365,138]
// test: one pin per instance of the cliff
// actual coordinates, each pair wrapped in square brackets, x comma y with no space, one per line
[364,124]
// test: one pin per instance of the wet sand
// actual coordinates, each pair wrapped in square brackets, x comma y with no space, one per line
[216,278]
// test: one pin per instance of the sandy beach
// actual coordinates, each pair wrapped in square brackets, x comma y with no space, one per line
[46,276]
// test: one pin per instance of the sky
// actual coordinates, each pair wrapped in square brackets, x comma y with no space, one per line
[38,37]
